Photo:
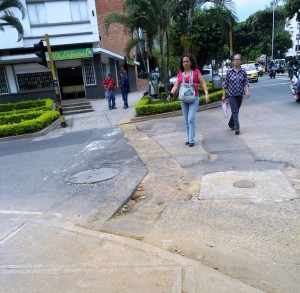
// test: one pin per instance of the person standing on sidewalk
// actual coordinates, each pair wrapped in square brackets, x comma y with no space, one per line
[110,86]
[237,86]
[122,70]
[188,68]
[124,85]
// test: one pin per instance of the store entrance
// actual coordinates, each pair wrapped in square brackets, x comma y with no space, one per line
[71,83]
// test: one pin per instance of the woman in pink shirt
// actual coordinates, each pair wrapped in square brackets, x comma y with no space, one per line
[188,68]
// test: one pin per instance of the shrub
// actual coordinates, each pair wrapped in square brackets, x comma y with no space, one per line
[26,105]
[147,106]
[26,117]
[29,126]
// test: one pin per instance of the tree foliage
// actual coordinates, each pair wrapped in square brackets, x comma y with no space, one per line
[148,22]
[254,36]
[292,7]
[9,18]
[206,38]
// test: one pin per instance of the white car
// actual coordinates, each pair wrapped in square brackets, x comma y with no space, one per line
[207,74]
[173,80]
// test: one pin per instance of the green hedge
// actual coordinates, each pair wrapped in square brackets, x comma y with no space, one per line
[17,118]
[29,126]
[26,105]
[148,106]
[7,113]
[26,117]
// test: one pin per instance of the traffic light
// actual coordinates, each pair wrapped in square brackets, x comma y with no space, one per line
[41,53]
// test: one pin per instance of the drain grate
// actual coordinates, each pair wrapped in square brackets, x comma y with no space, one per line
[244,184]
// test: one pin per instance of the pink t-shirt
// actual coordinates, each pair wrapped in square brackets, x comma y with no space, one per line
[196,73]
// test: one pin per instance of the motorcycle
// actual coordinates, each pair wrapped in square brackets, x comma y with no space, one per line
[272,72]
[293,87]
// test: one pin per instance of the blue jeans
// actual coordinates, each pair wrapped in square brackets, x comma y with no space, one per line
[235,104]
[189,113]
[111,99]
[125,98]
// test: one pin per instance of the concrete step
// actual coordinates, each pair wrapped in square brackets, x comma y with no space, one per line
[79,111]
[76,106]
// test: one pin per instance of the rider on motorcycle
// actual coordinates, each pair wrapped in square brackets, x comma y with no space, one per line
[272,71]
[297,95]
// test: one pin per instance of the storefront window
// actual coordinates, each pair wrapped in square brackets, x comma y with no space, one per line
[35,81]
[3,82]
[89,72]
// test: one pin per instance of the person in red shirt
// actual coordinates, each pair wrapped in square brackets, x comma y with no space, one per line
[110,86]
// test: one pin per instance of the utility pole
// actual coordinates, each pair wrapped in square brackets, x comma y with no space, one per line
[57,91]
[230,39]
[298,38]
[274,3]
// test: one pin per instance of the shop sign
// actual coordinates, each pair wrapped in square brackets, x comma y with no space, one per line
[130,61]
[71,54]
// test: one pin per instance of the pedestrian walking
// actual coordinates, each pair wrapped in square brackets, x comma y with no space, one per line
[124,85]
[236,86]
[187,82]
[122,70]
[110,86]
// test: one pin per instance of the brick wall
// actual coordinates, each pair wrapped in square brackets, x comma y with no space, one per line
[117,38]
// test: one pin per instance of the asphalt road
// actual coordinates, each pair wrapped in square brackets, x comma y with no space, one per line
[36,172]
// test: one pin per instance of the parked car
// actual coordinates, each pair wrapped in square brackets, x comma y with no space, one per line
[223,72]
[259,69]
[280,65]
[207,74]
[173,80]
[251,72]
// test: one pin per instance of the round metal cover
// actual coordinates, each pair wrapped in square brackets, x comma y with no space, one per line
[94,175]
[244,184]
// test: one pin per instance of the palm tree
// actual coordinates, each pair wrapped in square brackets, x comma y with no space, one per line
[8,17]
[224,17]
[147,22]
[194,4]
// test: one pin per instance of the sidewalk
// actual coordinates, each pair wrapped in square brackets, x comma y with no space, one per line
[39,254]
[45,253]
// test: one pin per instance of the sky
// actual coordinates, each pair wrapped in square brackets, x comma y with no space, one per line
[244,8]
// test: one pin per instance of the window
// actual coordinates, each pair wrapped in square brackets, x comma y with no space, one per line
[37,13]
[34,81]
[105,69]
[89,72]
[78,10]
[3,82]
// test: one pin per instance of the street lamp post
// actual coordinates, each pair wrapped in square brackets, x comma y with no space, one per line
[273,3]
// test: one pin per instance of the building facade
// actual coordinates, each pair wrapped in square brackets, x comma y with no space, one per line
[294,28]
[116,39]
[81,62]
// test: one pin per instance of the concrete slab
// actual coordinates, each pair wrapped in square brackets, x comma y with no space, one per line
[56,256]
[254,185]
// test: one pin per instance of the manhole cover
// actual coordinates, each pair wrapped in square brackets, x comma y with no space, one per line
[94,175]
[243,184]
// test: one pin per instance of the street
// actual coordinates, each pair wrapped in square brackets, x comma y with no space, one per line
[230,202]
